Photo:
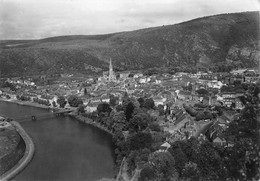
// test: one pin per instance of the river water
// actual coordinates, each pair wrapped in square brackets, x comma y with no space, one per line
[65,148]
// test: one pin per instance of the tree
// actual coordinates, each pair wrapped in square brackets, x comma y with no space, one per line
[179,156]
[62,101]
[147,173]
[137,158]
[163,165]
[119,122]
[203,115]
[139,122]
[112,100]
[148,103]
[54,104]
[126,100]
[210,163]
[191,171]
[141,101]
[129,109]
[74,101]
[139,140]
[135,102]
[119,108]
[10,85]
[104,108]
[155,127]
[161,110]
[202,92]
[85,91]
[81,108]
[189,87]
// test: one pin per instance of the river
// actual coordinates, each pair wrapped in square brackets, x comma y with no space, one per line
[65,148]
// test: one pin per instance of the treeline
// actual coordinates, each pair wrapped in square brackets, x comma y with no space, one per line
[23,98]
[41,101]
[35,99]
[136,133]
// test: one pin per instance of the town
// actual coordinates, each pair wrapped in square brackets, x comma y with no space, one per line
[130,90]
[181,102]
[183,105]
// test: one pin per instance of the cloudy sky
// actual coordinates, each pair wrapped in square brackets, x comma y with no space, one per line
[34,19]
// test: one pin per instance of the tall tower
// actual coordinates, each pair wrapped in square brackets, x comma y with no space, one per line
[112,77]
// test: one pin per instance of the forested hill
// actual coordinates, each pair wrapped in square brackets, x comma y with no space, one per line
[227,39]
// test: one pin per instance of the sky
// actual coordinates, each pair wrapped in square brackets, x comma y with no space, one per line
[36,19]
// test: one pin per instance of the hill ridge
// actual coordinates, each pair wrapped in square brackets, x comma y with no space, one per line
[231,38]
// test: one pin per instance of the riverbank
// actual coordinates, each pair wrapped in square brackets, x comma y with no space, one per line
[25,103]
[90,122]
[27,157]
[92,137]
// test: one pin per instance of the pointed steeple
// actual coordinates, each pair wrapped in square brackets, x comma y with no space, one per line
[112,77]
[110,65]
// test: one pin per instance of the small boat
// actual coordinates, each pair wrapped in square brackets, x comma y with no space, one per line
[34,118]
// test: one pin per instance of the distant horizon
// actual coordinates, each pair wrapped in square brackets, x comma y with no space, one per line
[69,35]
[30,19]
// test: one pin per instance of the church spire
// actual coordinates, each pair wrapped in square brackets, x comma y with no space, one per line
[110,66]
[112,77]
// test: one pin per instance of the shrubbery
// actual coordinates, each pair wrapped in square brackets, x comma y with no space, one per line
[74,101]
[42,101]
[23,98]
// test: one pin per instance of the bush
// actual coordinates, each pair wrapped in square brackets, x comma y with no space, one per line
[62,101]
[139,141]
[104,108]
[74,101]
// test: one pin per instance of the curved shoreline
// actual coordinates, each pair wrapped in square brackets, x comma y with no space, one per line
[27,157]
[90,122]
[30,148]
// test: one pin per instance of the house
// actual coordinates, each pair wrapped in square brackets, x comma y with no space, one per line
[96,99]
[219,141]
[230,98]
[92,106]
[179,123]
[137,75]
[223,121]
[210,78]
[124,75]
[218,85]
[238,104]
[159,100]
[184,95]
[144,80]
[105,98]
[202,127]
[153,113]
[164,147]
[238,71]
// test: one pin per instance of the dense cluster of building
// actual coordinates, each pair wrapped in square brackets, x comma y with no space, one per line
[170,92]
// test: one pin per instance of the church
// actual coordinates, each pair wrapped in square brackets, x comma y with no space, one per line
[109,76]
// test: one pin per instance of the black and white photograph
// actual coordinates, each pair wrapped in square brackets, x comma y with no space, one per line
[129,90]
